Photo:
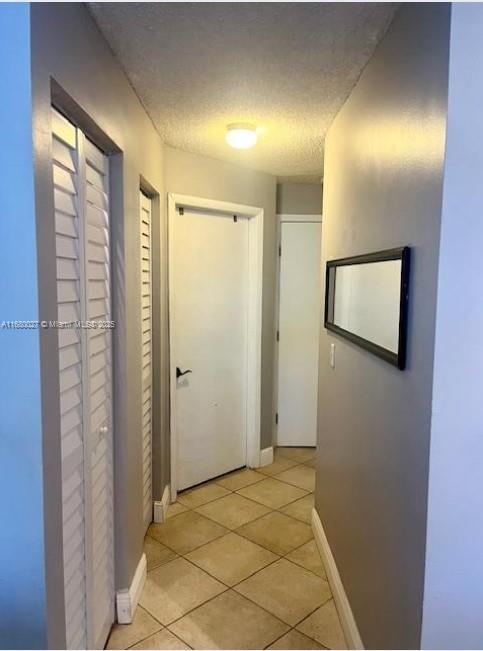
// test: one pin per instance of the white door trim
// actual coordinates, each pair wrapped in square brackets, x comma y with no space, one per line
[299,218]
[254,347]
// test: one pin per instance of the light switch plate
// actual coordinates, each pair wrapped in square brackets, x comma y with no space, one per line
[332,355]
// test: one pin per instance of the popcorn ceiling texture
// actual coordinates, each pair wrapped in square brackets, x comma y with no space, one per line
[287,67]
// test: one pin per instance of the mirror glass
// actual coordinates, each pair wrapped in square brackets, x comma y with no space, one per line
[367,301]
[364,304]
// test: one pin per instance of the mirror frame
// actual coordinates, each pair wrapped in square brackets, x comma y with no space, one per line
[404,254]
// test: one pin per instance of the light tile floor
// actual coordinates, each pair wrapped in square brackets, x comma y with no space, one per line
[235,566]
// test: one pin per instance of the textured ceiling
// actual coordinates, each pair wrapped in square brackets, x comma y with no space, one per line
[286,67]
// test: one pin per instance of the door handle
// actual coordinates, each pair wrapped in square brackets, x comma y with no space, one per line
[180,373]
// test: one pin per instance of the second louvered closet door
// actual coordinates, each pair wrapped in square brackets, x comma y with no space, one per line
[146,343]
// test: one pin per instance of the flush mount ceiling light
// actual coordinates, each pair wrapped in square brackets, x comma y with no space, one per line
[241,136]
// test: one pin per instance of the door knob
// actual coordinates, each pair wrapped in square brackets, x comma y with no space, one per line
[180,373]
[103,430]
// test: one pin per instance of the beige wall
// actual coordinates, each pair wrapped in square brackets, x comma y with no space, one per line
[201,176]
[383,189]
[299,198]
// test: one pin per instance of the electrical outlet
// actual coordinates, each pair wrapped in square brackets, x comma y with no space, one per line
[332,355]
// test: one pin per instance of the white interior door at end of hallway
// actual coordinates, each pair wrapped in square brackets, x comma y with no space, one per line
[299,323]
[209,299]
[146,352]
[81,202]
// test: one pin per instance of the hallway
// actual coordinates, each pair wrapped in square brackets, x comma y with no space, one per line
[230,238]
[235,566]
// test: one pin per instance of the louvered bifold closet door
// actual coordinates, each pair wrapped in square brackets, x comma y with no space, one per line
[146,343]
[66,201]
[85,368]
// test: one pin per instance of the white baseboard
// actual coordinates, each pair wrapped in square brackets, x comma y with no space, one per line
[346,617]
[266,456]
[127,600]
[161,506]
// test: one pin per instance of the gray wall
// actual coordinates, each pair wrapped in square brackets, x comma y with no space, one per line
[299,198]
[92,88]
[382,189]
[202,176]
[22,577]
[453,590]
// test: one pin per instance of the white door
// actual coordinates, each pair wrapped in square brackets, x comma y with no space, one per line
[146,345]
[299,323]
[209,299]
[80,173]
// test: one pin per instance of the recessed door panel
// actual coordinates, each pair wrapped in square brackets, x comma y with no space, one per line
[299,324]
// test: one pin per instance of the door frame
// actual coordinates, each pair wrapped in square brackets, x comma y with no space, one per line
[254,339]
[281,219]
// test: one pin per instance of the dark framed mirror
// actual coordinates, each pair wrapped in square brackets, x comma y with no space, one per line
[366,301]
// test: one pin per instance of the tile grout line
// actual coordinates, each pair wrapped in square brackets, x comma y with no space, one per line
[312,612]
[321,646]
[163,628]
[331,598]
